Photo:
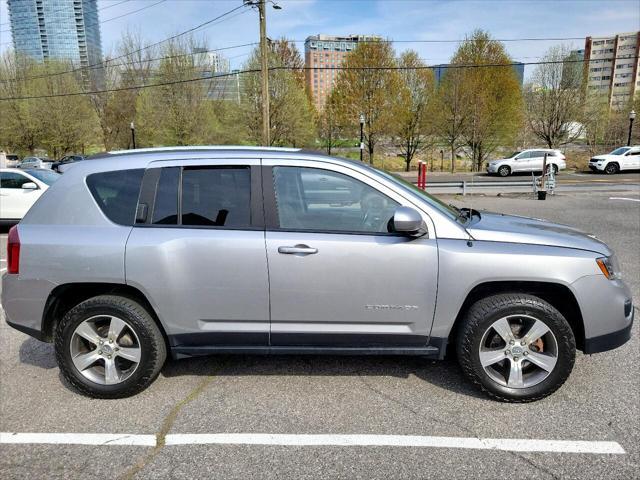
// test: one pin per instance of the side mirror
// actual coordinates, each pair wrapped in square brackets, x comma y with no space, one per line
[409,221]
[29,186]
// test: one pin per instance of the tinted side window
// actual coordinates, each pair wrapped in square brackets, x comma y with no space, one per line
[216,196]
[524,156]
[117,193]
[321,200]
[165,207]
[12,180]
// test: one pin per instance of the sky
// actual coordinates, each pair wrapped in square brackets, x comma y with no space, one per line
[399,20]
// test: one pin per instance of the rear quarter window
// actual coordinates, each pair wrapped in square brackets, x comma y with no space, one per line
[116,193]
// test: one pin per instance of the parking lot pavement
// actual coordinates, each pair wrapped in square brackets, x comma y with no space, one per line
[318,395]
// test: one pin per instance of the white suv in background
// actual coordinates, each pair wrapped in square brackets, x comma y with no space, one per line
[623,158]
[530,160]
[19,190]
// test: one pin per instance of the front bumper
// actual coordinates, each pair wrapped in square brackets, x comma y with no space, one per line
[596,168]
[607,312]
[492,168]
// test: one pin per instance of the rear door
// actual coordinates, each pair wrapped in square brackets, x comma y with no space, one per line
[197,251]
[631,161]
[338,278]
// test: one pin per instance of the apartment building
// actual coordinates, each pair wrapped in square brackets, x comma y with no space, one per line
[612,67]
[321,54]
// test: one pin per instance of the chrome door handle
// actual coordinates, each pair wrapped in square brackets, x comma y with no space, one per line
[298,249]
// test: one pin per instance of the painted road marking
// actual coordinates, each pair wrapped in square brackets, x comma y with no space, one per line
[624,198]
[77,439]
[503,444]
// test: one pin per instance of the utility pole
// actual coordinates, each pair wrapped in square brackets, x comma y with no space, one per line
[362,119]
[264,60]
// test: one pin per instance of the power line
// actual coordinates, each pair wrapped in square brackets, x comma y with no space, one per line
[382,40]
[103,63]
[222,75]
[96,23]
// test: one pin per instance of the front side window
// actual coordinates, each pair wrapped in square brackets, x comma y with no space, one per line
[12,180]
[216,196]
[322,200]
[524,156]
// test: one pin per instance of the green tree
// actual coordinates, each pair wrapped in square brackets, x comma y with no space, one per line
[290,112]
[414,120]
[493,98]
[450,114]
[368,85]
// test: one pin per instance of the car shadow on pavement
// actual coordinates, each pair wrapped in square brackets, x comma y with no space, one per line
[444,374]
[37,353]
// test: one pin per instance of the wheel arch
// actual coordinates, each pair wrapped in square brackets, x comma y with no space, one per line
[558,295]
[64,297]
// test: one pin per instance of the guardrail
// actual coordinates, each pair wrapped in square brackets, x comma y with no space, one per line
[466,186]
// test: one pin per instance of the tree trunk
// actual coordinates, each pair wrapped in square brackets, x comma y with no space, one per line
[453,158]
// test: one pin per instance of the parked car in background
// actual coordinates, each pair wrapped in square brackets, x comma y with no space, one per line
[12,160]
[530,160]
[65,162]
[19,190]
[623,158]
[205,250]
[35,162]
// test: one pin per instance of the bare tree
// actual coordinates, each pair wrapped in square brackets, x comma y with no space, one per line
[553,100]
[449,114]
[413,122]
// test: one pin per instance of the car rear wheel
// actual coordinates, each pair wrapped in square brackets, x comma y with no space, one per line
[504,171]
[109,347]
[552,168]
[612,168]
[516,347]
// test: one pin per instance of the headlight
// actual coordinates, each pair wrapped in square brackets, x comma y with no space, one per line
[609,267]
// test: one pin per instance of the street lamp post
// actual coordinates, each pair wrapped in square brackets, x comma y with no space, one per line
[361,135]
[133,135]
[632,117]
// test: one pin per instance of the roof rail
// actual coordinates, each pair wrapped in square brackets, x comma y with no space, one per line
[203,148]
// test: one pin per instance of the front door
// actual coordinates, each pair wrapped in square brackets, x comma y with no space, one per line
[522,162]
[337,277]
[198,253]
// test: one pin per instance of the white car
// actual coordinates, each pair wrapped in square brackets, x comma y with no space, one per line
[19,190]
[527,161]
[623,158]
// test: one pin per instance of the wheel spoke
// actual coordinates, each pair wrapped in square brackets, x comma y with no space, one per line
[515,375]
[87,331]
[503,329]
[111,374]
[489,357]
[545,362]
[130,353]
[115,328]
[85,360]
[537,330]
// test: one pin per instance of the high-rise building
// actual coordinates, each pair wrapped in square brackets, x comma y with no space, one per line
[440,70]
[56,29]
[212,61]
[612,67]
[321,54]
[572,68]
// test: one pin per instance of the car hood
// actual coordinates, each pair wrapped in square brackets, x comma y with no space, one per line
[496,227]
[606,157]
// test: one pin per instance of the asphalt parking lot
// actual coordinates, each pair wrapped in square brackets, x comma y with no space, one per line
[331,396]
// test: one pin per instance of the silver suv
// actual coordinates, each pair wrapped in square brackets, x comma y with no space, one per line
[201,250]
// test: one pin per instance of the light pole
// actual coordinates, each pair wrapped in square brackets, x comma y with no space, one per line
[632,117]
[133,135]
[361,135]
[264,64]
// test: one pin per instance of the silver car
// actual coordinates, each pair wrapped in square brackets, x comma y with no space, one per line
[531,160]
[35,162]
[194,251]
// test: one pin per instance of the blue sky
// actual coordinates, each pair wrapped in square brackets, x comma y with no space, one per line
[394,19]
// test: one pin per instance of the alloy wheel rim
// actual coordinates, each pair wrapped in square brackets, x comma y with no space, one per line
[518,351]
[105,349]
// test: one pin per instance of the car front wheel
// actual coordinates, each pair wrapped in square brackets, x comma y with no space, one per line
[612,168]
[109,347]
[504,171]
[516,347]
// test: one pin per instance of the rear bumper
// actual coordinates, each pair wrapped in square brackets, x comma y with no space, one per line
[23,302]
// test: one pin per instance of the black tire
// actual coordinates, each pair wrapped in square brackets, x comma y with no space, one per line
[612,168]
[504,171]
[152,344]
[553,168]
[479,318]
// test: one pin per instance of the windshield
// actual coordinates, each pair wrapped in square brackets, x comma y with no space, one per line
[620,151]
[448,210]
[44,176]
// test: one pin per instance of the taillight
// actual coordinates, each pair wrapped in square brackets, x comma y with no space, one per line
[13,251]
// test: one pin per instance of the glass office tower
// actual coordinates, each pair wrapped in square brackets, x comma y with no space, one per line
[57,29]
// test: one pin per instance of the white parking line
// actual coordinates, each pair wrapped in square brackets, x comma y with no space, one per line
[624,198]
[504,444]
[77,439]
